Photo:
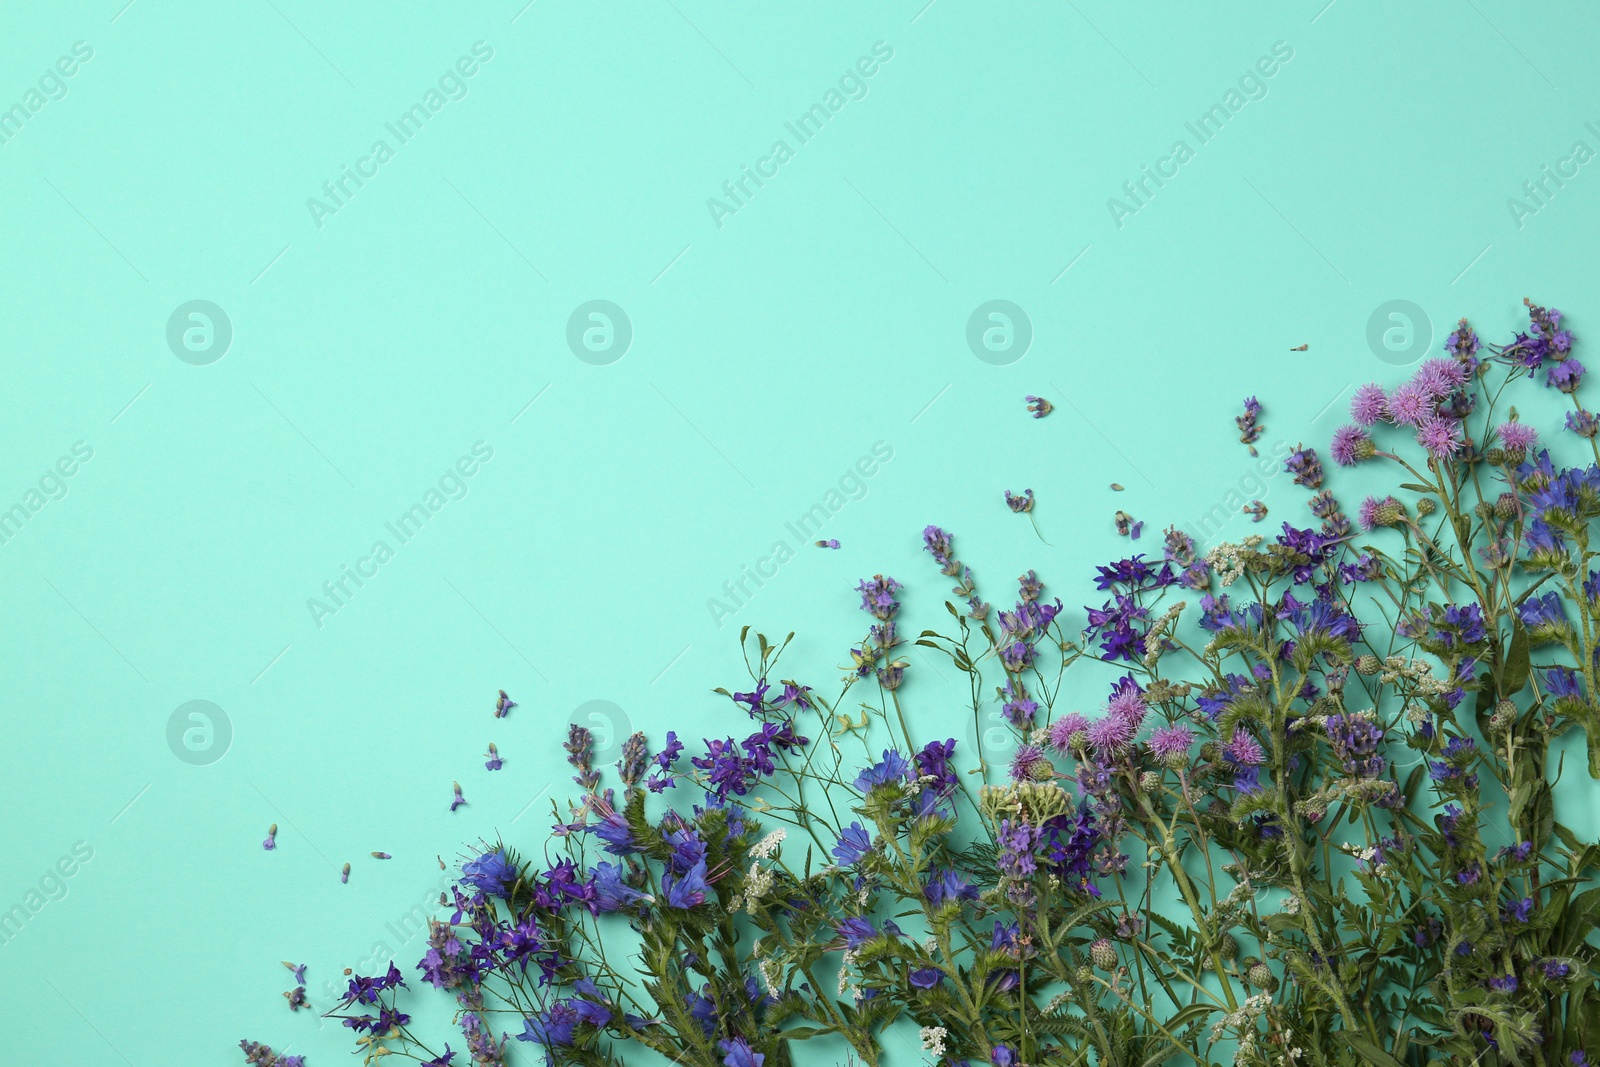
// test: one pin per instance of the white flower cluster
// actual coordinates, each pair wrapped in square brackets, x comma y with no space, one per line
[768,845]
[1228,559]
[1418,672]
[933,1039]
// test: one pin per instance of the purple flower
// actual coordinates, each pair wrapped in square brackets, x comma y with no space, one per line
[1408,405]
[1170,744]
[1504,984]
[1069,730]
[1516,436]
[1306,468]
[856,932]
[491,874]
[1031,764]
[934,762]
[1355,742]
[877,596]
[1368,405]
[891,770]
[553,1028]
[926,977]
[1244,749]
[611,892]
[1441,437]
[1440,377]
[945,886]
[687,890]
[854,844]
[1248,423]
[1565,376]
[1349,444]
[738,1053]
[1110,736]
[1020,504]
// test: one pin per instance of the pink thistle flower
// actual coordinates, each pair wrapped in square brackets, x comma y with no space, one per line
[1440,377]
[1128,706]
[1408,405]
[1030,764]
[1348,441]
[1376,511]
[1244,749]
[1111,735]
[1170,744]
[1516,436]
[1367,406]
[1063,730]
[1441,437]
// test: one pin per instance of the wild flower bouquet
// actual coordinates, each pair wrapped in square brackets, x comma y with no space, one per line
[1305,813]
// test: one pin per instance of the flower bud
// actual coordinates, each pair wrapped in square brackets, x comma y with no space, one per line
[1495,457]
[1260,976]
[1367,664]
[1505,714]
[1150,782]
[1506,506]
[1103,954]
[1426,505]
[1228,947]
[1483,509]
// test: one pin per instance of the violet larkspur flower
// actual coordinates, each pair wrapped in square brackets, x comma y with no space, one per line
[1368,405]
[1350,445]
[491,758]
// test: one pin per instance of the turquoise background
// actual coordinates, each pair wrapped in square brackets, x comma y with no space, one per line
[768,354]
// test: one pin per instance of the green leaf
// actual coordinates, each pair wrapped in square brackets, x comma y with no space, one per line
[1370,1053]
[1515,675]
[1417,487]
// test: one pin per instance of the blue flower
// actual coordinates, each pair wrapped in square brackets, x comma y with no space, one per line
[612,893]
[857,932]
[889,771]
[738,1053]
[946,885]
[490,873]
[926,977]
[688,890]
[552,1027]
[853,846]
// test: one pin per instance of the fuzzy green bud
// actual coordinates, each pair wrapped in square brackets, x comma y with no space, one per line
[1368,664]
[1483,509]
[1228,947]
[1505,506]
[1103,954]
[1260,976]
[1505,714]
[1150,782]
[1425,505]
